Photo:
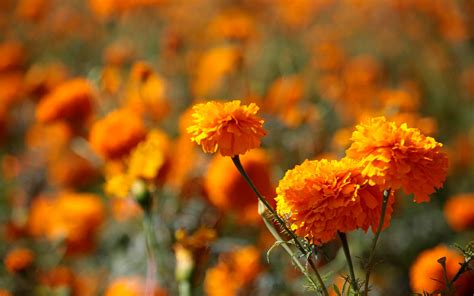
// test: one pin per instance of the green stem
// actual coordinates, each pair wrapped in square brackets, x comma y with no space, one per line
[281,223]
[287,248]
[347,253]
[386,195]
[184,288]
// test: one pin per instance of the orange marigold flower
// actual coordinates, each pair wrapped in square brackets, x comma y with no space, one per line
[229,192]
[115,135]
[236,269]
[74,217]
[459,211]
[71,101]
[18,260]
[319,198]
[426,274]
[399,157]
[228,127]
[130,286]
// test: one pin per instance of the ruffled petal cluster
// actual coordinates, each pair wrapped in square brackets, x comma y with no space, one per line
[320,198]
[230,128]
[396,157]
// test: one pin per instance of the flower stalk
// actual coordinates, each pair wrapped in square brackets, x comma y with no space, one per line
[347,254]
[386,195]
[281,223]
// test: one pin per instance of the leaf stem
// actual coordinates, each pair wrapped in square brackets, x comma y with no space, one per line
[386,195]
[281,223]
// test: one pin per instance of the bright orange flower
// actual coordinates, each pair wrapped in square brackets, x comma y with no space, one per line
[459,211]
[18,260]
[399,157]
[319,198]
[233,272]
[426,274]
[74,217]
[228,127]
[72,101]
[229,192]
[130,286]
[115,135]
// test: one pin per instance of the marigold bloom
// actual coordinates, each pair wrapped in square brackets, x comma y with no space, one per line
[130,286]
[115,135]
[426,274]
[18,260]
[145,162]
[228,127]
[75,217]
[319,198]
[229,192]
[459,211]
[399,157]
[71,101]
[233,272]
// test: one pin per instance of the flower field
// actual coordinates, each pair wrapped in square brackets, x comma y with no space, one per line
[236,147]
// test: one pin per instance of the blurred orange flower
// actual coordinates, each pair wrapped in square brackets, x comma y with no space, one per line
[399,157]
[19,259]
[426,274]
[4,293]
[130,286]
[74,217]
[229,192]
[71,101]
[233,272]
[12,55]
[459,211]
[228,127]
[115,135]
[319,198]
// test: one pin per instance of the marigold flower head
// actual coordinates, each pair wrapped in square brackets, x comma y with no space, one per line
[426,274]
[459,211]
[229,192]
[18,260]
[319,198]
[115,135]
[236,269]
[130,286]
[71,101]
[74,217]
[228,127]
[399,157]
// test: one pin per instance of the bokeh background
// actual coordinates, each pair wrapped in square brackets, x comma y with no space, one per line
[316,68]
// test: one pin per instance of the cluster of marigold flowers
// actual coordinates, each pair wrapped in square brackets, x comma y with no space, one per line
[85,121]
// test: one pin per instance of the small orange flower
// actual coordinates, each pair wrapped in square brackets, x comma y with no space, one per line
[229,192]
[228,127]
[74,217]
[130,286]
[115,135]
[233,272]
[459,211]
[319,198]
[426,274]
[18,260]
[71,101]
[399,157]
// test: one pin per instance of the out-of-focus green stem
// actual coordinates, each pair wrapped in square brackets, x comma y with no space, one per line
[347,253]
[386,195]
[281,223]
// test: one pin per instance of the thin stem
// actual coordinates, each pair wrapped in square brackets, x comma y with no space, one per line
[151,259]
[461,270]
[280,222]
[386,195]
[287,248]
[347,253]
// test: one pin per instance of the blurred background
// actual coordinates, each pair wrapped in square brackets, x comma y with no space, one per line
[93,91]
